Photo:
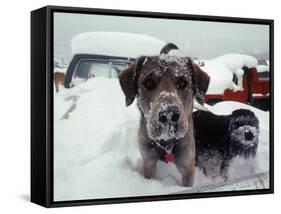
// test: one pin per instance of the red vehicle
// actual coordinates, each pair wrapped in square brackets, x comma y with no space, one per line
[256,90]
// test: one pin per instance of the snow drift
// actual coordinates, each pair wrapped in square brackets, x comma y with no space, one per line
[222,68]
[220,78]
[235,61]
[96,154]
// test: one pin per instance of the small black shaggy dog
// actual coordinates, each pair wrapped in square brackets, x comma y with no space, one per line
[220,138]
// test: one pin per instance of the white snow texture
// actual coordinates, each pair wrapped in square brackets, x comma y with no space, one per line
[95,149]
[123,45]
[222,68]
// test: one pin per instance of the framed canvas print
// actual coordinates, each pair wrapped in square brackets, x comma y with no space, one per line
[134,106]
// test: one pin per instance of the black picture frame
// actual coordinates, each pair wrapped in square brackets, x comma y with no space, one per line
[42,104]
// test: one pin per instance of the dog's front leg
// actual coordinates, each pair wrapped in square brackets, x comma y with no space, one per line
[225,168]
[149,168]
[187,169]
[185,159]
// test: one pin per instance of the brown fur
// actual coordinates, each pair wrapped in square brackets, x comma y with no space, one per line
[167,75]
[58,79]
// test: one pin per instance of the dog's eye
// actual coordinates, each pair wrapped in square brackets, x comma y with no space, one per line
[149,84]
[181,83]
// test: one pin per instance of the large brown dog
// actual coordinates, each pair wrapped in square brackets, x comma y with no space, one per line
[165,87]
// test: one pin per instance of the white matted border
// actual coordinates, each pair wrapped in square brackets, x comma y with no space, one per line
[15,116]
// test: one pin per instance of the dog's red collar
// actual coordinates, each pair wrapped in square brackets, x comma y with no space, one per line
[169,156]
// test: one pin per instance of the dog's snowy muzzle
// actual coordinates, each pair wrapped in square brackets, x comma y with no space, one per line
[245,135]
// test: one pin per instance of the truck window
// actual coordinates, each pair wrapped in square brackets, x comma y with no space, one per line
[91,68]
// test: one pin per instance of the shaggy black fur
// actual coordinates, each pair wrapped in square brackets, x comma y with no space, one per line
[220,138]
[168,47]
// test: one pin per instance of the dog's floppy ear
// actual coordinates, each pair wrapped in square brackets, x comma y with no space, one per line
[128,79]
[200,82]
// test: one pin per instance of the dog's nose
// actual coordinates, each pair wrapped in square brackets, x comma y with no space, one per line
[249,135]
[169,114]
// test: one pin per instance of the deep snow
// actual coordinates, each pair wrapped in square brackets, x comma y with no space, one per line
[96,154]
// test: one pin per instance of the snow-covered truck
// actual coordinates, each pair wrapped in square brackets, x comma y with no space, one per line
[234,77]
[106,54]
[238,77]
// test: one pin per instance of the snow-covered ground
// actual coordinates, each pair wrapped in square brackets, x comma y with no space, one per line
[95,149]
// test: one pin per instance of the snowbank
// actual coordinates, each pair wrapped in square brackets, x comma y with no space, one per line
[96,154]
[236,61]
[220,78]
[116,44]
[61,70]
[222,68]
[262,68]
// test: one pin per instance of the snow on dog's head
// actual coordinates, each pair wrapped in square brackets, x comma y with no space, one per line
[165,87]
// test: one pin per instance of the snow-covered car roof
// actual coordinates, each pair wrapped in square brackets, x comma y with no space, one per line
[116,44]
[221,77]
[222,68]
[236,61]
[262,68]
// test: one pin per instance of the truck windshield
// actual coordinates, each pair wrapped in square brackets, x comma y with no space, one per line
[99,68]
